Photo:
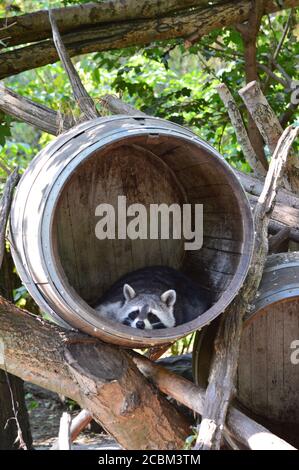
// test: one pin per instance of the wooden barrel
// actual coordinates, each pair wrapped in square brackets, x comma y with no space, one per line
[267,380]
[150,161]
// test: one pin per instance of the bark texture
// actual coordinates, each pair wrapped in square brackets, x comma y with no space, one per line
[270,128]
[5,203]
[190,23]
[240,129]
[14,421]
[83,99]
[100,377]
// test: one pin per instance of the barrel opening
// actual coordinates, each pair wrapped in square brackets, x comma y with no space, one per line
[151,168]
[67,268]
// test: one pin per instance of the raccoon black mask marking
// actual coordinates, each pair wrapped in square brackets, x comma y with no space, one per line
[157,297]
[147,310]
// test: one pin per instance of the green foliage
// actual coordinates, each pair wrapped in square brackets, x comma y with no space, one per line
[190,440]
[183,345]
[30,402]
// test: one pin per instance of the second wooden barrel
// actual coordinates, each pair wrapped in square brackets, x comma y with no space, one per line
[268,371]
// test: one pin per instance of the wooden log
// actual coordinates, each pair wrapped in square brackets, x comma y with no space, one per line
[78,424]
[5,204]
[240,130]
[117,106]
[254,187]
[244,429]
[227,344]
[277,242]
[194,22]
[64,438]
[83,99]
[35,26]
[90,372]
[264,116]
[42,117]
[248,432]
[270,128]
[14,433]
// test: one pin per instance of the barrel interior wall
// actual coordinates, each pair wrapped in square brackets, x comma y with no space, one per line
[92,265]
[268,380]
[147,169]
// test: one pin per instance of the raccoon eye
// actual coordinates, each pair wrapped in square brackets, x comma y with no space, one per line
[133,315]
[152,318]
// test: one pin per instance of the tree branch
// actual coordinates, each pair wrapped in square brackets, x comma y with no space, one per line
[36,114]
[90,372]
[132,32]
[117,106]
[269,127]
[249,32]
[240,130]
[33,27]
[227,344]
[5,203]
[83,99]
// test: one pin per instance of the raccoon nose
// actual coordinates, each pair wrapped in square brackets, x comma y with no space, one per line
[140,324]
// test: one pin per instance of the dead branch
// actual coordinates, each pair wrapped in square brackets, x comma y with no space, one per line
[36,114]
[90,372]
[5,204]
[269,127]
[262,113]
[117,106]
[78,424]
[244,429]
[240,129]
[224,365]
[83,99]
[120,34]
[277,241]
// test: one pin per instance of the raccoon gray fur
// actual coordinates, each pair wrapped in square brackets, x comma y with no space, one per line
[152,298]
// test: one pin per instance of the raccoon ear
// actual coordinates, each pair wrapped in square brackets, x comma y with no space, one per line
[169,297]
[128,292]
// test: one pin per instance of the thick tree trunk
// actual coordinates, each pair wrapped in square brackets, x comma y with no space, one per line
[119,33]
[11,388]
[100,377]
[249,33]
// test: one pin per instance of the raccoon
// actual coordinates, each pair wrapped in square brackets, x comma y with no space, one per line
[153,298]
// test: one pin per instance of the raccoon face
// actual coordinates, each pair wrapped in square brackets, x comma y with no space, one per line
[147,311]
